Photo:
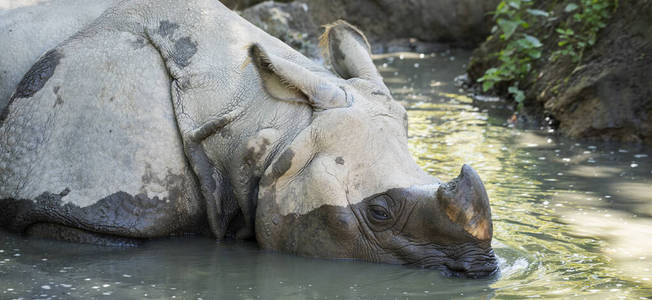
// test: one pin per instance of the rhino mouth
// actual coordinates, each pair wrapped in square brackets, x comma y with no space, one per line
[458,269]
[478,265]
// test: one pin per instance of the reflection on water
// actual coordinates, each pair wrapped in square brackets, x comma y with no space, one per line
[571,219]
[577,216]
[199,268]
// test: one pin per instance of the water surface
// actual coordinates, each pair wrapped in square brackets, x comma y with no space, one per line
[571,219]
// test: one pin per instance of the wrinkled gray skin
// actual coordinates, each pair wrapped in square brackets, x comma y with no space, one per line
[29,28]
[163,117]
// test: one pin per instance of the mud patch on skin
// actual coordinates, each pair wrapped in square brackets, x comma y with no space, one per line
[59,100]
[74,235]
[323,232]
[283,163]
[328,231]
[139,43]
[38,75]
[34,79]
[184,50]
[279,168]
[255,153]
[121,214]
[166,29]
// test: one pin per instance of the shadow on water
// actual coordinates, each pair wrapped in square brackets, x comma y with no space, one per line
[570,219]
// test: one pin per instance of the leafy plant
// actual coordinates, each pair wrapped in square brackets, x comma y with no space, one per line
[521,49]
[589,17]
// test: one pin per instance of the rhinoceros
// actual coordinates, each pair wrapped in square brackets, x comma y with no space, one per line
[167,117]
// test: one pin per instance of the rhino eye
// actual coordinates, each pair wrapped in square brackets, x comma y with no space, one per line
[379,213]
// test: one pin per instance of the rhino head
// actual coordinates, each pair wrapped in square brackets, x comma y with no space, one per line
[347,186]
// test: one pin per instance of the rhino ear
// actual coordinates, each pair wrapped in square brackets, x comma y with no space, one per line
[348,51]
[288,81]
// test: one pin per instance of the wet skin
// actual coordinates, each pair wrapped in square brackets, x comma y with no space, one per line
[322,171]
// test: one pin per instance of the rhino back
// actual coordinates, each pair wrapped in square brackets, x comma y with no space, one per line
[30,30]
[93,117]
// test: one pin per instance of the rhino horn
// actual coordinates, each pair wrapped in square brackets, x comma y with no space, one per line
[464,200]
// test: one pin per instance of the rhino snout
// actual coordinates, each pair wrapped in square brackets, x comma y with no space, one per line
[479,265]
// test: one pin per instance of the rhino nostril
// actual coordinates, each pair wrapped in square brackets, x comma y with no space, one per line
[457,266]
[464,269]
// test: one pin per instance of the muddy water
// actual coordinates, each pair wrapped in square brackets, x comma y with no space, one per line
[571,219]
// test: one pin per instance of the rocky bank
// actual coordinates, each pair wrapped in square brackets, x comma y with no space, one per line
[608,95]
[416,25]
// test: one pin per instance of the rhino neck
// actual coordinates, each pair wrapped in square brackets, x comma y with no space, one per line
[263,130]
[245,147]
[254,143]
[206,89]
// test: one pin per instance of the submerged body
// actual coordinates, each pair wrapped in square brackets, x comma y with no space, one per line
[165,117]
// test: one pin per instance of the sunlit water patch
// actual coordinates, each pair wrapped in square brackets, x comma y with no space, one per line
[570,219]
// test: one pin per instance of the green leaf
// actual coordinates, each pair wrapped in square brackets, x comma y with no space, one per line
[528,42]
[535,54]
[533,40]
[508,27]
[538,12]
[524,44]
[515,4]
[501,9]
[487,85]
[571,7]
[519,96]
[568,31]
[492,71]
